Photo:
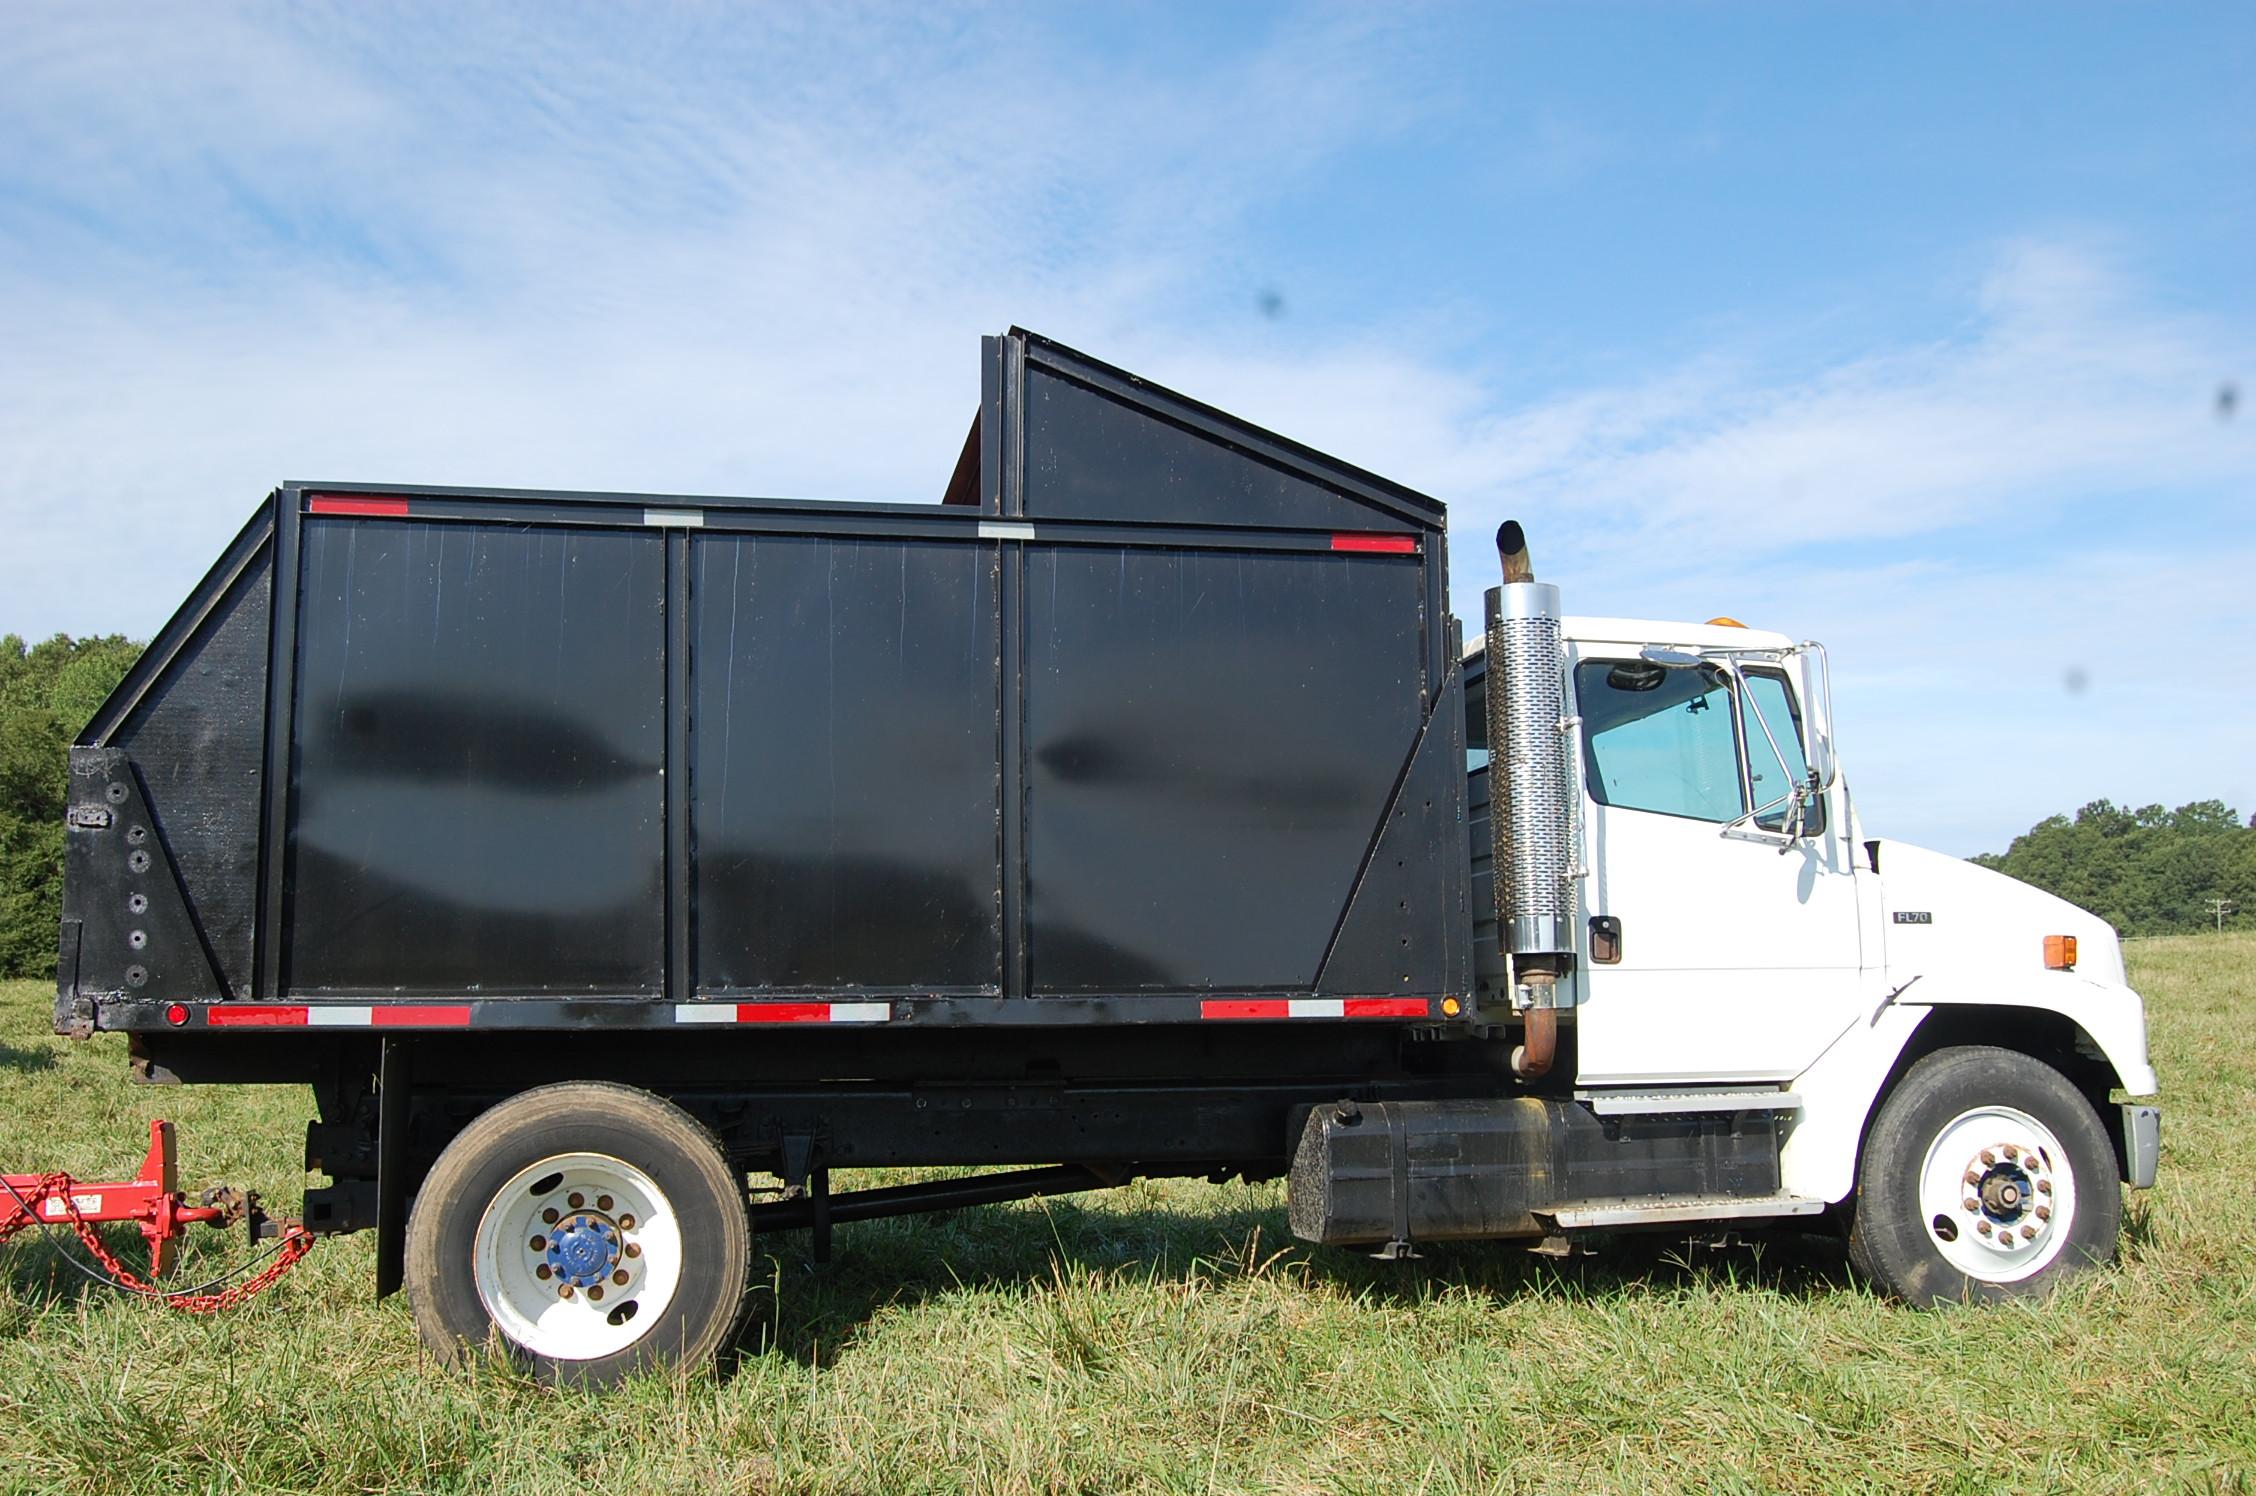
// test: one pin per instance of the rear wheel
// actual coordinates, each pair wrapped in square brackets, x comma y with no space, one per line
[597,1230]
[1986,1176]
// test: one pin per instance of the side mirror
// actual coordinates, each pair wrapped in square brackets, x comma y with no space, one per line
[1817,716]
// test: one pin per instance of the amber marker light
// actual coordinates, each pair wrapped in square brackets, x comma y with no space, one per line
[2060,952]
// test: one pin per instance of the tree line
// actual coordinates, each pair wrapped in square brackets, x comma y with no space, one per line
[47,693]
[2149,871]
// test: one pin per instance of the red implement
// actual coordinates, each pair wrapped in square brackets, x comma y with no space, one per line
[151,1200]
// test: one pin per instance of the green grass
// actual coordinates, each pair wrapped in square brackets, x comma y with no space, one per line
[1172,1337]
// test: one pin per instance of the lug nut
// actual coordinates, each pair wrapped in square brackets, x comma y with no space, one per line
[1988,1157]
[2044,1212]
[1972,1205]
[542,1272]
[548,1217]
[540,1243]
[1983,1227]
[602,1202]
[575,1199]
[633,1250]
[620,1277]
[2010,1151]
[626,1223]
[595,1292]
[2044,1186]
[2028,1233]
[563,1290]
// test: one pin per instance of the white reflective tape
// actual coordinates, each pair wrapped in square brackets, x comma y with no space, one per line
[990,529]
[860,1012]
[704,1012]
[1317,1007]
[322,1015]
[680,519]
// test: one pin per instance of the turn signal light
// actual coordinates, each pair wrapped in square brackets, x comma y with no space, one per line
[2060,953]
[177,1014]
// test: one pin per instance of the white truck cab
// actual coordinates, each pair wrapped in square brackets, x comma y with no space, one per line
[1940,1043]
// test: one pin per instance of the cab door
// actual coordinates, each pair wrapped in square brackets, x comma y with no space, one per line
[1738,950]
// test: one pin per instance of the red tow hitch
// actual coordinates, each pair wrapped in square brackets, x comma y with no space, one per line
[152,1201]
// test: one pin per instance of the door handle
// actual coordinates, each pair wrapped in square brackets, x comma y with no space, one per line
[1605,940]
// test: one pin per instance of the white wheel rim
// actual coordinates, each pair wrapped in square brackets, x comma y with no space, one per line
[1997,1194]
[586,1248]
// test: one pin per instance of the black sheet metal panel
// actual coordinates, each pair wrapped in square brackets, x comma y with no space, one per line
[1472,1169]
[843,764]
[1100,442]
[1406,929]
[121,890]
[1089,456]
[197,735]
[1212,738]
[478,795]
[1490,973]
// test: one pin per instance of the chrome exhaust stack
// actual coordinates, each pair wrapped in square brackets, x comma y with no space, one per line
[1531,790]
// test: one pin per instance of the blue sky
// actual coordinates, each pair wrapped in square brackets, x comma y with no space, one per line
[1902,327]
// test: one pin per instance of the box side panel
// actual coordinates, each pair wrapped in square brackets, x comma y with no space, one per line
[479,743]
[197,739]
[843,763]
[1212,738]
[1407,929]
[1089,456]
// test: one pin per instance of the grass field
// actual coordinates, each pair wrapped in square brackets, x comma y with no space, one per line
[1170,1337]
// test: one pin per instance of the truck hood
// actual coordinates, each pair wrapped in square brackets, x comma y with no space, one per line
[1976,919]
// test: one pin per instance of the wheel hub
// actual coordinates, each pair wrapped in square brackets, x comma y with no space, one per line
[583,1248]
[2003,1191]
[2009,1190]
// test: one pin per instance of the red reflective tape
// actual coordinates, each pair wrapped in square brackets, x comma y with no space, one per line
[1245,1007]
[783,1012]
[1387,1007]
[1385,545]
[254,1015]
[414,1015]
[331,503]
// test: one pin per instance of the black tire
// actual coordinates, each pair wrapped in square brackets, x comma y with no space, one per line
[1897,1246]
[679,1155]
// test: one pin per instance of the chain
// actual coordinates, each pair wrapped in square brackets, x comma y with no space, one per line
[295,1244]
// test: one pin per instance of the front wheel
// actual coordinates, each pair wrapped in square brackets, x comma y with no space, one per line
[1986,1176]
[596,1228]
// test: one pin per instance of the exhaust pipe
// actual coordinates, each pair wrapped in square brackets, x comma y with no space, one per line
[1531,794]
[1531,1057]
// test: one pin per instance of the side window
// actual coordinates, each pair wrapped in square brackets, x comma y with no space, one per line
[1659,739]
[1774,759]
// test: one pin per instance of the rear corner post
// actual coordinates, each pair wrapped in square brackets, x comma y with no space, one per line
[281,701]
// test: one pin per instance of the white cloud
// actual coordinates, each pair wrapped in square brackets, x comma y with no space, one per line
[570,252]
[747,253]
